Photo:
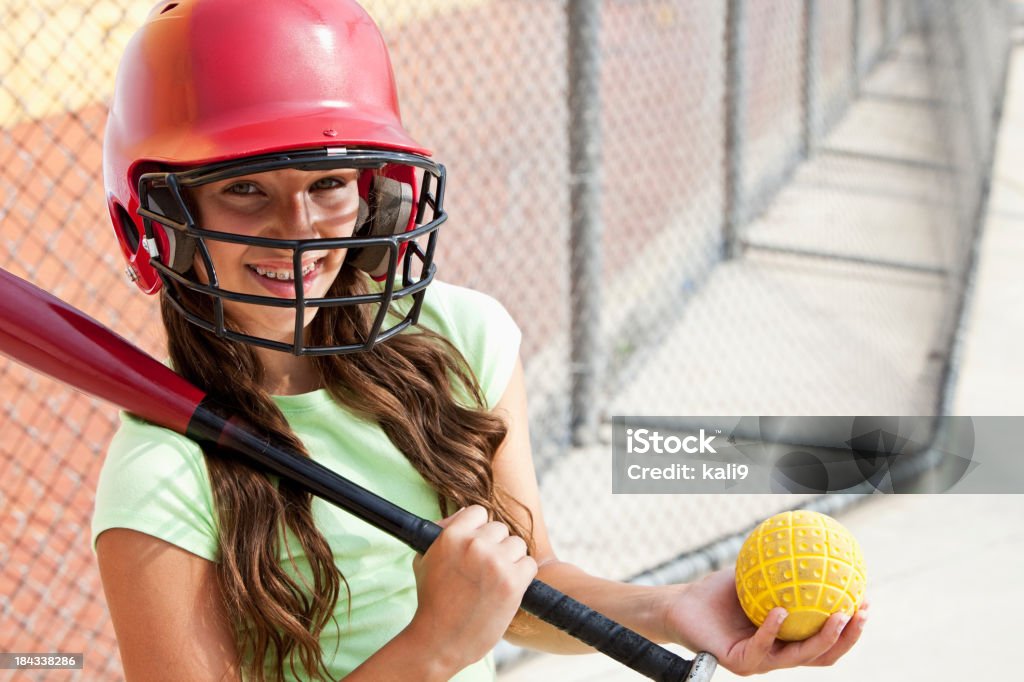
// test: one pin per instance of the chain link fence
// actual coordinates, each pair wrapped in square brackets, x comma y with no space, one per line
[691,207]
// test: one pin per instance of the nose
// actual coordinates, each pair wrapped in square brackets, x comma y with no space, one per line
[296,217]
[300,214]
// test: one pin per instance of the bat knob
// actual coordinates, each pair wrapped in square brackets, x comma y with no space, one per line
[702,668]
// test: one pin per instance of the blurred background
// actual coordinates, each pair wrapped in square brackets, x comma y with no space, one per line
[691,207]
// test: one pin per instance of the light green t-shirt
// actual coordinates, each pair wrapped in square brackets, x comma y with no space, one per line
[155,481]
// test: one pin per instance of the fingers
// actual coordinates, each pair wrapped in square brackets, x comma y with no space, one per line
[851,633]
[762,641]
[472,516]
[463,519]
[494,538]
[471,525]
[758,648]
[837,636]
[812,648]
[473,522]
[494,531]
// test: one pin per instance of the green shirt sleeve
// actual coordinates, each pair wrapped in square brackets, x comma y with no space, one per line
[481,328]
[155,481]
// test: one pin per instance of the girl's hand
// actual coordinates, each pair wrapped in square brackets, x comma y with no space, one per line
[470,584]
[707,616]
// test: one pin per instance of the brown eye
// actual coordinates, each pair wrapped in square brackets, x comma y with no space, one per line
[328,183]
[242,188]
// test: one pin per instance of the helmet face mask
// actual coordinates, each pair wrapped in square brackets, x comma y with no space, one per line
[198,100]
[401,245]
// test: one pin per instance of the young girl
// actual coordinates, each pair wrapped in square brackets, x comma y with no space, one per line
[259,178]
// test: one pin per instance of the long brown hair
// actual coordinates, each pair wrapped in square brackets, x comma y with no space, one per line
[416,386]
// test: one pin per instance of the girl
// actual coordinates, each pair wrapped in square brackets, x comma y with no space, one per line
[259,178]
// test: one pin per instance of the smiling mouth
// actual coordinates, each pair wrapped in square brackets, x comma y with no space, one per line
[285,274]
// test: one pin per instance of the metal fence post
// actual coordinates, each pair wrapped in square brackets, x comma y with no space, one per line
[584,27]
[735,106]
[811,116]
[858,18]
[888,27]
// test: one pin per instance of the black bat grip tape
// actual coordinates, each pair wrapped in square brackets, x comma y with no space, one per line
[604,634]
[582,622]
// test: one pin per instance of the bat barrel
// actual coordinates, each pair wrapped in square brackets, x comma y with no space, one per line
[46,334]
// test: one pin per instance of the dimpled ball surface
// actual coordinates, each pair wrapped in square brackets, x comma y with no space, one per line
[804,561]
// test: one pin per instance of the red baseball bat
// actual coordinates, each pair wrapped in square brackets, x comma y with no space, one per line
[56,339]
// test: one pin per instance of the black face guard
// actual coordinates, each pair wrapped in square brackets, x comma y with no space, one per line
[161,194]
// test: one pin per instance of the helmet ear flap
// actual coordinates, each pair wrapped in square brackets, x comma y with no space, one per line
[361,217]
[180,246]
[386,211]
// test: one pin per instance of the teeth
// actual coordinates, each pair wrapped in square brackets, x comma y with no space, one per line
[283,274]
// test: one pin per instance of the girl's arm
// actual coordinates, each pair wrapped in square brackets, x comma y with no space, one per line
[167,610]
[636,607]
[703,616]
[168,613]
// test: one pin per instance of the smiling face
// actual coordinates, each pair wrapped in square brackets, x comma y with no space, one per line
[281,204]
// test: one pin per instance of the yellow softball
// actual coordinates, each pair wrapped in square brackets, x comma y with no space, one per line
[804,561]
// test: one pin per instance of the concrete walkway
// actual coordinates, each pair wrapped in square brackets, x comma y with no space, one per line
[944,571]
[944,581]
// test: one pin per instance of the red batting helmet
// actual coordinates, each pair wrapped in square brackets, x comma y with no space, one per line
[212,89]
